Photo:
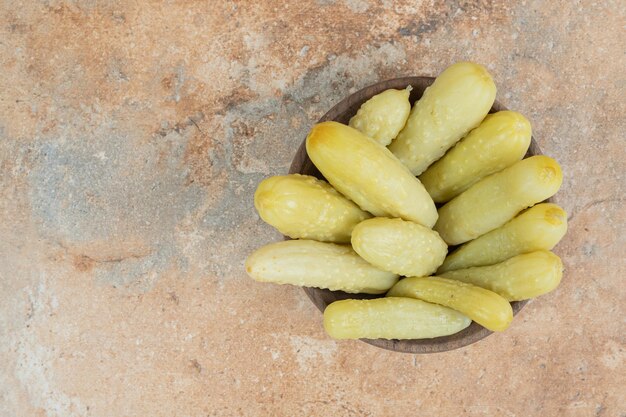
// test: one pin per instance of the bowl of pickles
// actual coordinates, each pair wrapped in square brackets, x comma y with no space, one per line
[417,213]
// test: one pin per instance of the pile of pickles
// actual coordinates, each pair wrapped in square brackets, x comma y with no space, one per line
[375,226]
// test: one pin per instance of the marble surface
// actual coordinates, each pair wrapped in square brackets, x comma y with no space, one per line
[133,134]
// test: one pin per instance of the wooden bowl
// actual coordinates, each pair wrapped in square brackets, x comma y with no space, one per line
[342,112]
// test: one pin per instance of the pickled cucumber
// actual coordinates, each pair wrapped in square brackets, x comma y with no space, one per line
[315,264]
[496,199]
[457,102]
[498,142]
[483,306]
[519,278]
[391,318]
[383,116]
[399,246]
[301,206]
[368,174]
[540,227]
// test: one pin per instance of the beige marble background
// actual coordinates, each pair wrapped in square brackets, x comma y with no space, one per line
[133,134]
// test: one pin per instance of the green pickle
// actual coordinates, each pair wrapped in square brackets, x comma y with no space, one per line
[496,199]
[540,227]
[457,102]
[315,264]
[399,246]
[301,206]
[383,116]
[368,174]
[519,278]
[498,142]
[391,318]
[483,306]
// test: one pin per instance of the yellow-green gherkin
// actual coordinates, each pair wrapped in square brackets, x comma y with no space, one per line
[483,306]
[391,318]
[301,206]
[498,142]
[540,227]
[519,278]
[457,102]
[399,246]
[383,116]
[496,199]
[316,264]
[368,174]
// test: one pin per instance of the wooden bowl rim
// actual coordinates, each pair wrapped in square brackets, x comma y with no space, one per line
[342,111]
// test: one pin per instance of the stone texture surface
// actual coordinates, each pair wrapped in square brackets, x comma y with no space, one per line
[133,134]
